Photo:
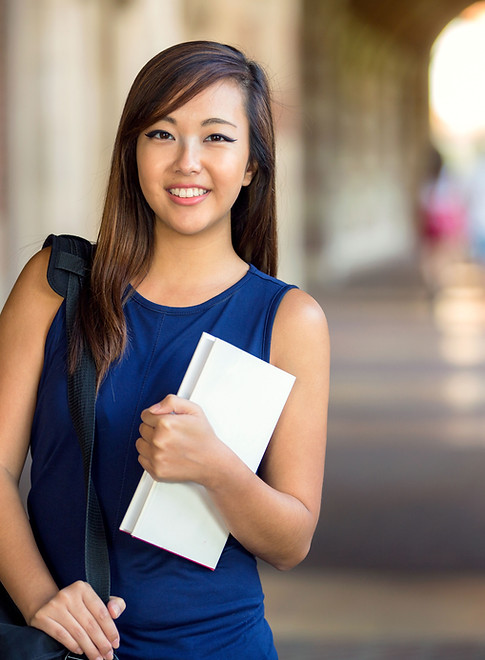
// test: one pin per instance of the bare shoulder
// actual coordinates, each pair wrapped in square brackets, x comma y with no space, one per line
[28,313]
[300,329]
[32,294]
[35,270]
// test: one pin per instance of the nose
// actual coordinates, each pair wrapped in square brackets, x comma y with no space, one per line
[188,158]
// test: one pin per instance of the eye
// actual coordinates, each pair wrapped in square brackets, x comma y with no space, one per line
[218,137]
[158,134]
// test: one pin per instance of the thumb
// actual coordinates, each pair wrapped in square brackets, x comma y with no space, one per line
[172,404]
[116,606]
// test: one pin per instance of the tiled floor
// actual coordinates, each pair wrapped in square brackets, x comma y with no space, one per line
[405,651]
[397,568]
[351,614]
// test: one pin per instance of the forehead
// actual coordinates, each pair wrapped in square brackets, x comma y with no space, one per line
[223,99]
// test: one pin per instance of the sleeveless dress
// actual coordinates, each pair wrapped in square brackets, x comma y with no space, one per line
[176,609]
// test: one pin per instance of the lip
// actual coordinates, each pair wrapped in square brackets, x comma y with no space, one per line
[187,201]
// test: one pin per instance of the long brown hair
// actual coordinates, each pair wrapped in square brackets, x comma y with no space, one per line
[125,242]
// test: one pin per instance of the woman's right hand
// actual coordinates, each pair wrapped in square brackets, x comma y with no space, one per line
[77,618]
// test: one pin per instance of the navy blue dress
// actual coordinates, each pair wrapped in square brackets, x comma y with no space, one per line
[176,609]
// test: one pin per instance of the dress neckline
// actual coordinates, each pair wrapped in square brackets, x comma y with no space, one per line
[214,300]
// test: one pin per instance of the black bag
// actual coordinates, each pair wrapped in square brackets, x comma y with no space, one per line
[70,262]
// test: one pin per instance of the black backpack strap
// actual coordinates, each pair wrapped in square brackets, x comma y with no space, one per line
[69,265]
[69,255]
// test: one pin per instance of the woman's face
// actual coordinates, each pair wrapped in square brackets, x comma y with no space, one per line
[192,163]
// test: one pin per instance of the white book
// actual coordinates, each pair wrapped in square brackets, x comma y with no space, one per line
[242,397]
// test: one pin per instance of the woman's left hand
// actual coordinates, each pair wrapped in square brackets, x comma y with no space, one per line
[177,442]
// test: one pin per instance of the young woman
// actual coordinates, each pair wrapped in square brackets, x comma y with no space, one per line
[187,244]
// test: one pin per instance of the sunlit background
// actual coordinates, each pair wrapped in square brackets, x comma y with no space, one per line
[379,105]
[457,122]
[457,79]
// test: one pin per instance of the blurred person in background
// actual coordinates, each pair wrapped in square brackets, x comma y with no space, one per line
[443,229]
[187,243]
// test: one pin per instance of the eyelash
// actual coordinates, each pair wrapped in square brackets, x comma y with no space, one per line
[220,138]
[153,134]
[165,135]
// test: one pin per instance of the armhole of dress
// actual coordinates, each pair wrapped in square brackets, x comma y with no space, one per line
[51,266]
[270,317]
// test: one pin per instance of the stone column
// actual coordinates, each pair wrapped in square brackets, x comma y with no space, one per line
[70,64]
[361,103]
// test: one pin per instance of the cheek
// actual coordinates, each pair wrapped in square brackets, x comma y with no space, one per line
[233,172]
[148,176]
[148,162]
[143,182]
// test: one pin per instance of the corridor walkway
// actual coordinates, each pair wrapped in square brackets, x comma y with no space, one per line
[397,568]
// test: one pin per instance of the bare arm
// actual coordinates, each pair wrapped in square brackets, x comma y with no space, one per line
[274,516]
[24,324]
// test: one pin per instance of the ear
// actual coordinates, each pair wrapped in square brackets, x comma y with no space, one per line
[251,170]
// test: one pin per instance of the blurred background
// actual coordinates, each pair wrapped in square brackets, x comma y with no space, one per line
[380,111]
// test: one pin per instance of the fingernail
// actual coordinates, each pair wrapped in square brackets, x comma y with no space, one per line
[116,643]
[116,610]
[155,408]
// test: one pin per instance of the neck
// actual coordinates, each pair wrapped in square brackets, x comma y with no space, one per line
[188,270]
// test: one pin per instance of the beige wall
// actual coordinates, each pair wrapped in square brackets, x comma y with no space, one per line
[70,65]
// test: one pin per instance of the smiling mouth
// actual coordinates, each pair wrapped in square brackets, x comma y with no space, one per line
[188,192]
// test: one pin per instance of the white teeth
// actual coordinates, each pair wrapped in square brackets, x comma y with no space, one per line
[187,192]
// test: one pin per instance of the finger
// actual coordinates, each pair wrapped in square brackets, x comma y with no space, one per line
[173,404]
[146,465]
[94,642]
[101,627]
[164,406]
[116,607]
[146,431]
[143,447]
[59,633]
[152,419]
[80,636]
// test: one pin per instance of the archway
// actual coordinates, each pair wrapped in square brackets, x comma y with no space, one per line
[455,264]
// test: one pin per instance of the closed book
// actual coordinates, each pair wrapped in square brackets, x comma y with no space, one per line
[242,397]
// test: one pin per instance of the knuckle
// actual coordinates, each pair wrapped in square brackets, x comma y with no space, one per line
[166,423]
[91,627]
[171,400]
[61,635]
[62,597]
[103,614]
[105,648]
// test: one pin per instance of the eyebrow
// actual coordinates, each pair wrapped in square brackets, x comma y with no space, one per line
[206,122]
[216,120]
